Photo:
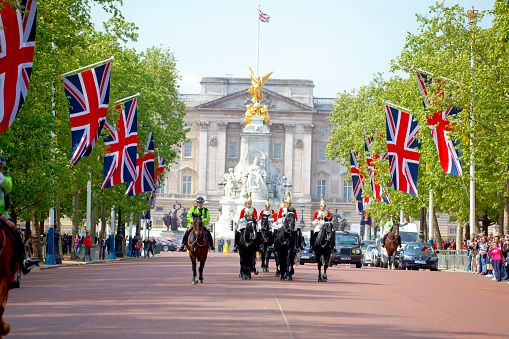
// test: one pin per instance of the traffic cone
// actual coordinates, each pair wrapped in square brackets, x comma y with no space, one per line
[225,250]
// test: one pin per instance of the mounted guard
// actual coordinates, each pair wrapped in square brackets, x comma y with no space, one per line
[203,212]
[265,224]
[323,239]
[281,216]
[321,216]
[247,212]
[389,225]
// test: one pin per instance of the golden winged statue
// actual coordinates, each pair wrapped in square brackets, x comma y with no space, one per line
[256,87]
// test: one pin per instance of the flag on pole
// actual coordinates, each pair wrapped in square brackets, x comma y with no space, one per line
[263,17]
[159,170]
[440,128]
[379,193]
[144,171]
[357,183]
[120,160]
[88,94]
[17,45]
[403,149]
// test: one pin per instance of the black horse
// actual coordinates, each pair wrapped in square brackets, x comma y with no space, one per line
[284,246]
[247,249]
[265,240]
[322,244]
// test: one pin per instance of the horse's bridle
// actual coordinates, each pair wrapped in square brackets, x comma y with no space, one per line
[195,242]
[250,223]
[327,228]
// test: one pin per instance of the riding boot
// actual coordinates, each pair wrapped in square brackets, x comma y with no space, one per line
[211,241]
[312,240]
[184,240]
[235,248]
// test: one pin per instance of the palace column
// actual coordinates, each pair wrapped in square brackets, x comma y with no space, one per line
[306,166]
[221,148]
[202,157]
[288,163]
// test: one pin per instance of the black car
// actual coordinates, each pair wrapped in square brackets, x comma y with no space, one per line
[417,255]
[348,249]
[166,245]
[307,256]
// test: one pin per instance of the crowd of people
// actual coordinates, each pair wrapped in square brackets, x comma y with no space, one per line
[489,256]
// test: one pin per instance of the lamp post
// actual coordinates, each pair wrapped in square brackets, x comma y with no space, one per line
[221,185]
[302,225]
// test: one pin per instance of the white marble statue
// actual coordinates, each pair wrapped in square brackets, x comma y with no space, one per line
[231,184]
[279,189]
[253,179]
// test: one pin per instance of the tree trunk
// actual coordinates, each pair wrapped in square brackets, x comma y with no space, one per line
[506,217]
[94,225]
[467,230]
[425,230]
[75,215]
[438,236]
[103,220]
[459,236]
[485,222]
[36,238]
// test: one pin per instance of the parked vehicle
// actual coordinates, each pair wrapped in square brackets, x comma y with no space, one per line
[371,255]
[166,245]
[307,255]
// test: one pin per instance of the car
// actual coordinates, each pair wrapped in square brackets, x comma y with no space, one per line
[417,255]
[364,245]
[307,255]
[166,245]
[348,249]
[371,255]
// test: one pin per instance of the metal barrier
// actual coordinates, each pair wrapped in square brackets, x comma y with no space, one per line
[456,260]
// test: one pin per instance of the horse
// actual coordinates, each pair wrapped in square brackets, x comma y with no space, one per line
[284,246]
[323,244]
[265,240]
[247,250]
[9,267]
[392,242]
[198,247]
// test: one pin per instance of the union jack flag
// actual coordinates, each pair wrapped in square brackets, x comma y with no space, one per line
[120,161]
[366,219]
[356,178]
[439,125]
[144,172]
[17,44]
[264,17]
[379,192]
[88,93]
[403,148]
[159,169]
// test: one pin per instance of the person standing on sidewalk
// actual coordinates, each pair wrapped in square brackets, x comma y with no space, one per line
[102,254]
[77,246]
[146,246]
[88,247]
[496,254]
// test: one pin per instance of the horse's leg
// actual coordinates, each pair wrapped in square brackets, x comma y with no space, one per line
[278,266]
[194,270]
[289,264]
[202,265]
[319,264]
[325,266]
[5,328]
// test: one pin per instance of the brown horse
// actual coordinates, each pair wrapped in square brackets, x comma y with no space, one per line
[198,247]
[9,267]
[392,242]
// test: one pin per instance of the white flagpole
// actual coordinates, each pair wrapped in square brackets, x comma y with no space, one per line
[89,66]
[396,106]
[258,42]
[430,216]
[128,98]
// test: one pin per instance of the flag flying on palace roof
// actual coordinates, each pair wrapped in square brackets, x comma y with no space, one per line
[88,93]
[17,44]
[120,160]
[403,149]
[440,128]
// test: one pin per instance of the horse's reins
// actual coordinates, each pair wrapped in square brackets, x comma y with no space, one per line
[248,243]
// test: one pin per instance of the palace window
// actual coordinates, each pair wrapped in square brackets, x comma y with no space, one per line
[321,153]
[232,150]
[188,149]
[277,151]
[233,126]
[188,125]
[186,184]
[159,223]
[347,190]
[160,189]
[346,214]
[452,231]
[159,209]
[323,129]
[278,127]
[320,187]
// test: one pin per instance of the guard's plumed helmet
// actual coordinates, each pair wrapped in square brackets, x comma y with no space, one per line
[322,202]
[289,197]
[3,163]
[200,199]
[248,199]
[282,202]
[267,203]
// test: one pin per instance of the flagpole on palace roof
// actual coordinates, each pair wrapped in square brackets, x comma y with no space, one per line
[258,42]
[128,98]
[89,66]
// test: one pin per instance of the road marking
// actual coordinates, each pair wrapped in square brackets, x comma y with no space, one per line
[482,288]
[282,312]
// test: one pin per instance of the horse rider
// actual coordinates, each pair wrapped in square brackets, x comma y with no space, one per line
[247,212]
[202,212]
[389,224]
[6,186]
[283,211]
[321,216]
[267,211]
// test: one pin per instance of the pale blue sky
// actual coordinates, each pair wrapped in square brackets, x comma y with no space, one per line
[338,44]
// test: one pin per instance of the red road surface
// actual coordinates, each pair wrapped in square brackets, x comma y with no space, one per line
[154,297]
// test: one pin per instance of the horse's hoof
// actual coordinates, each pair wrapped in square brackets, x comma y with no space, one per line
[200,281]
[282,278]
[256,271]
[277,274]
[290,278]
[320,280]
[194,282]
[244,278]
[248,277]
[265,269]
[240,275]
[324,279]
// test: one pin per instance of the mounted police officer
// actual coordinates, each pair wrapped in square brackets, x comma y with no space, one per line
[249,212]
[204,213]
[389,225]
[6,187]
[321,216]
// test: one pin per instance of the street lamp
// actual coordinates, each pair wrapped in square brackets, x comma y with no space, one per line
[221,185]
[302,225]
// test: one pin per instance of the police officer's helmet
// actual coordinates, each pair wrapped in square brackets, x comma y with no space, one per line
[393,216]
[3,162]
[200,199]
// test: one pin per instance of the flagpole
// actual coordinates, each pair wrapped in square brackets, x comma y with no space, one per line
[396,106]
[89,66]
[258,42]
[128,98]
[472,16]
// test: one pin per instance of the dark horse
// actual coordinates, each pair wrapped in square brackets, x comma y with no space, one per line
[323,245]
[265,240]
[247,249]
[9,267]
[284,246]
[198,247]
[392,242]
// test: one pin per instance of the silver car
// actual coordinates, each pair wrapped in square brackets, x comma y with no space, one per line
[371,255]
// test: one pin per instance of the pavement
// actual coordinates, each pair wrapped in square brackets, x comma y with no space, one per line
[154,297]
